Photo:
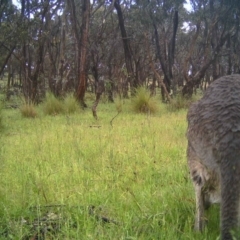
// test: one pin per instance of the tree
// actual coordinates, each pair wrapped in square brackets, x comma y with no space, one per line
[8,34]
[69,45]
[126,46]
[217,27]
[83,51]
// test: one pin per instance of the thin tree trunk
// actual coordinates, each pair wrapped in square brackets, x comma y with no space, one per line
[188,87]
[126,46]
[190,52]
[163,86]
[6,59]
[172,43]
[229,67]
[164,89]
[166,80]
[99,91]
[83,51]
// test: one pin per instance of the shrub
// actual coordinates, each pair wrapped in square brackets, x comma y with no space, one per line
[52,105]
[143,102]
[28,110]
[70,104]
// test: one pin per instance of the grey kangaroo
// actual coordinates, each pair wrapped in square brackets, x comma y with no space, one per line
[213,152]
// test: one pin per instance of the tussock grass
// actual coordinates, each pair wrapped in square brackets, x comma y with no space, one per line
[52,105]
[132,173]
[142,102]
[179,102]
[28,110]
[70,104]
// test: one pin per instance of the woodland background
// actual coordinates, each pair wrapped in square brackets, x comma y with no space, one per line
[115,46]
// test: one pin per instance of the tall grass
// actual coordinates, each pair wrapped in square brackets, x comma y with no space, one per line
[128,180]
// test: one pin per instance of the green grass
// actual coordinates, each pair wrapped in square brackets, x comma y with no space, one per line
[132,171]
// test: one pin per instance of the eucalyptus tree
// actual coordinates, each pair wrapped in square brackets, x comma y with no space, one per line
[104,45]
[131,77]
[81,43]
[9,29]
[36,19]
[216,32]
[161,19]
[58,63]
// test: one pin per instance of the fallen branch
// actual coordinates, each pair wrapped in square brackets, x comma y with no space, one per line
[99,91]
[114,118]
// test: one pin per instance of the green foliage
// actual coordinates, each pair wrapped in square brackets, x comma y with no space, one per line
[70,104]
[142,102]
[28,110]
[52,105]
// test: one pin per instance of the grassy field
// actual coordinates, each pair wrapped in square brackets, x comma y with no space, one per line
[74,177]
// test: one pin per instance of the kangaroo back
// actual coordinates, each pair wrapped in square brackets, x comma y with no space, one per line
[214,152]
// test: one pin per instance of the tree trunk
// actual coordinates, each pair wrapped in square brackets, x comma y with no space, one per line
[171,51]
[188,88]
[190,53]
[166,56]
[126,46]
[35,76]
[99,91]
[83,51]
[166,80]
[6,59]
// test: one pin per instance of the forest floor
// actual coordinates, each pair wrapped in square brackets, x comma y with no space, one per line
[74,177]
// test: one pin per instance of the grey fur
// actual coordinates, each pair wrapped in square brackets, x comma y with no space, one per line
[214,152]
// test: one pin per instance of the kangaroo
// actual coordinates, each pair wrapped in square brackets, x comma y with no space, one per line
[213,152]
